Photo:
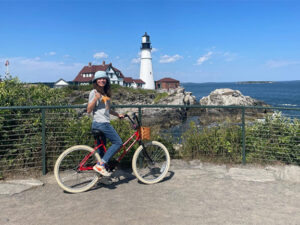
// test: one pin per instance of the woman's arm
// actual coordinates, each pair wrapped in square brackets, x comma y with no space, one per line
[112,112]
[91,105]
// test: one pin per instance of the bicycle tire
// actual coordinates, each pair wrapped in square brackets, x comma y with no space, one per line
[66,169]
[144,170]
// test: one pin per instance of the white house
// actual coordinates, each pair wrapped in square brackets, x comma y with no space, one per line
[61,83]
[87,73]
[134,83]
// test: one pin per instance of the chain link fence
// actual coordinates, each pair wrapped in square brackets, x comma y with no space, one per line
[31,138]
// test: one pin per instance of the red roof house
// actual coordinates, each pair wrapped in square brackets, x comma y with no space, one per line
[167,83]
[87,73]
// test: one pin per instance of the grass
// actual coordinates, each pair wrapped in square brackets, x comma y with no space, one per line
[160,96]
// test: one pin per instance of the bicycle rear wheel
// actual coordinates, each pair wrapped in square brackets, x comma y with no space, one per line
[153,169]
[67,173]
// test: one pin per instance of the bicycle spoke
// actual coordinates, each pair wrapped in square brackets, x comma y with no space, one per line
[154,168]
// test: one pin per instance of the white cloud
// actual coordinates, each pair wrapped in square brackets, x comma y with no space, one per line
[154,50]
[204,58]
[100,55]
[50,53]
[281,63]
[169,59]
[136,60]
[36,70]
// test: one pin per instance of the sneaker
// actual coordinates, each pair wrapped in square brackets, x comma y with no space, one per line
[101,169]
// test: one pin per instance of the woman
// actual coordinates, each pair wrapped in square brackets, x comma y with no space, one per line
[99,104]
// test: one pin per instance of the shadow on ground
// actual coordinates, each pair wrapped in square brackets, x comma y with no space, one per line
[122,177]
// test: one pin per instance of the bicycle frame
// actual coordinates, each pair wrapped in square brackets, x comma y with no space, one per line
[137,136]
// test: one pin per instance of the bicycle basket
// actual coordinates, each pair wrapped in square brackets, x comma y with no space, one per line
[145,133]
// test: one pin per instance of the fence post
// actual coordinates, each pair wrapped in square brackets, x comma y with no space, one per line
[140,115]
[43,142]
[243,136]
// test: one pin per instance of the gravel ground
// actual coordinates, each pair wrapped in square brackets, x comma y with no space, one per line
[191,194]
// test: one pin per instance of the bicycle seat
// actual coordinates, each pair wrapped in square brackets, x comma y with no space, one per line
[98,134]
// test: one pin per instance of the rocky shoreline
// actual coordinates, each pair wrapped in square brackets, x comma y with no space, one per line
[228,97]
[164,117]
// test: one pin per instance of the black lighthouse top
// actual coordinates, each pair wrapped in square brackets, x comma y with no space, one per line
[146,44]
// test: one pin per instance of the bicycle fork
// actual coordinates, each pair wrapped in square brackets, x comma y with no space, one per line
[145,153]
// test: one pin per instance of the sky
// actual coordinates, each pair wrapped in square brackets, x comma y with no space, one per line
[193,41]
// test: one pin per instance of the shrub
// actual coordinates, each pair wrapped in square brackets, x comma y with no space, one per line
[222,142]
[276,139]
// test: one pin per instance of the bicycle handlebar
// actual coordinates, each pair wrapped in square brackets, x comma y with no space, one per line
[135,125]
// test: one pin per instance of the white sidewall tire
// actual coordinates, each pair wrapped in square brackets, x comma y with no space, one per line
[57,164]
[135,156]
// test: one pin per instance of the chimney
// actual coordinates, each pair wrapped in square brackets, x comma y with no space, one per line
[90,64]
[103,63]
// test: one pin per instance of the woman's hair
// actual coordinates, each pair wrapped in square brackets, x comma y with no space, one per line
[103,90]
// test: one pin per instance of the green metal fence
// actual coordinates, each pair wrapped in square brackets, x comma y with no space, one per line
[32,137]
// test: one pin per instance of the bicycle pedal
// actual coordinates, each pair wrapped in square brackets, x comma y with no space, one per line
[111,165]
[111,169]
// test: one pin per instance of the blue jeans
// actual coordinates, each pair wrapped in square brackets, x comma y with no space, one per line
[112,135]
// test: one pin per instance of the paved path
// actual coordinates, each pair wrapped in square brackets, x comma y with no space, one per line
[192,194]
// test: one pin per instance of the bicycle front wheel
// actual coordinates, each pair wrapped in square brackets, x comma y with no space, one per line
[72,177]
[151,164]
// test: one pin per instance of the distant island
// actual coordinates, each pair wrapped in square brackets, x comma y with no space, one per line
[255,82]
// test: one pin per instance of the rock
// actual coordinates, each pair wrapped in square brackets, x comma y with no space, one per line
[178,96]
[228,97]
[167,117]
[161,117]
[189,99]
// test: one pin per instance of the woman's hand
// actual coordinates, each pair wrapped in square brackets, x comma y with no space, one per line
[121,116]
[92,104]
[97,95]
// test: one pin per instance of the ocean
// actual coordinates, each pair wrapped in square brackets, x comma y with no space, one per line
[277,93]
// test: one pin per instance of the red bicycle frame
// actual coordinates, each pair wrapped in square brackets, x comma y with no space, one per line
[137,136]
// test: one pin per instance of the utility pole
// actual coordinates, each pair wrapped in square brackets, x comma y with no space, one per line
[7,73]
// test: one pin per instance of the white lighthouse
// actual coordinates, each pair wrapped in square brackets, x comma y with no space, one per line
[146,73]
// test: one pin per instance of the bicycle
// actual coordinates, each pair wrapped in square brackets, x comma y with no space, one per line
[74,172]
